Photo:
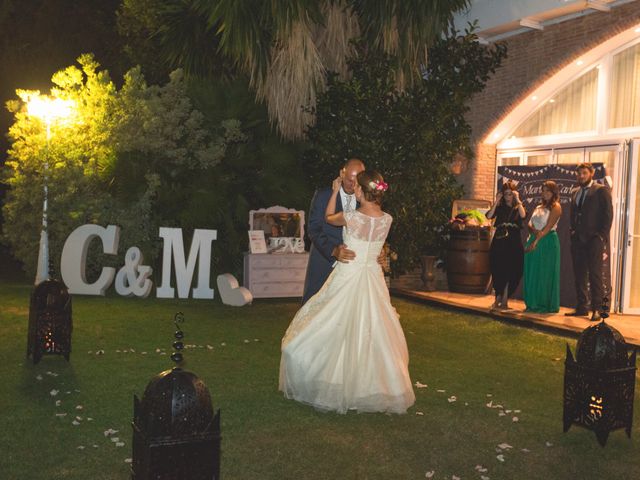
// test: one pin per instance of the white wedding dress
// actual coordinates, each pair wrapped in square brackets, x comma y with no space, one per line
[345,349]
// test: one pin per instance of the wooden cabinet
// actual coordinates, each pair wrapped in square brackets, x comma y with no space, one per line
[275,275]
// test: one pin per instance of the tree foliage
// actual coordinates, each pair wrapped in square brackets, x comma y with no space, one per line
[411,136]
[116,160]
[287,48]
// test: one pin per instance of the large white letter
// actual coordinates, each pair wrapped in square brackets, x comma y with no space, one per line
[74,258]
[201,248]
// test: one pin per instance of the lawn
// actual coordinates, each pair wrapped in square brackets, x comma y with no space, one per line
[466,361]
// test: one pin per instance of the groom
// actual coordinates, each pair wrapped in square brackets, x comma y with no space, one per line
[591,218]
[326,240]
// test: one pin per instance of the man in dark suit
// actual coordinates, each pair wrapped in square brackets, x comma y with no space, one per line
[591,217]
[326,240]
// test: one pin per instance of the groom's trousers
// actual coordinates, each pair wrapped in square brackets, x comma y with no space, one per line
[592,273]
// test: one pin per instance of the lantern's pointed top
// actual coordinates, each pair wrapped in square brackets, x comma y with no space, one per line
[176,356]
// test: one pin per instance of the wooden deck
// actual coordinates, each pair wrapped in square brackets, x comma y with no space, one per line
[627,325]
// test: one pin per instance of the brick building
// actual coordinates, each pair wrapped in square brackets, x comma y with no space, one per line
[568,92]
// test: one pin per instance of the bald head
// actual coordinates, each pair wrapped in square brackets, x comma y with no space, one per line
[351,170]
[354,162]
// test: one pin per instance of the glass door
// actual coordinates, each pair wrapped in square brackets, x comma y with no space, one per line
[631,286]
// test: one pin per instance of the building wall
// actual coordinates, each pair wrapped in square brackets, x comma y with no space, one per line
[533,57]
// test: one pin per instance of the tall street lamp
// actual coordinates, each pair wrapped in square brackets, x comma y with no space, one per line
[48,110]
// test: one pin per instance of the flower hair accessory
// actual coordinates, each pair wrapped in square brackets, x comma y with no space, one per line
[379,186]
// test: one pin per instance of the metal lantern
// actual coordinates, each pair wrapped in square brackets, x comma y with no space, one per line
[175,432]
[50,322]
[599,384]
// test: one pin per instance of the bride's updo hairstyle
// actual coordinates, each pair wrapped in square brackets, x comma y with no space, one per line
[373,186]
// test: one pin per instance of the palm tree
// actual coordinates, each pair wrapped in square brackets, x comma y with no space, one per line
[287,47]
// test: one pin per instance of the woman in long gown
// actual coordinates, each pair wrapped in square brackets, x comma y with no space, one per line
[506,255]
[345,349]
[542,257]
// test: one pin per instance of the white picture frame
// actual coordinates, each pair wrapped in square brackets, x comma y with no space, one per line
[277,221]
[257,243]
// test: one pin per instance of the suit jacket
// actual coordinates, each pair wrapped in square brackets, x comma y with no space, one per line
[324,238]
[594,217]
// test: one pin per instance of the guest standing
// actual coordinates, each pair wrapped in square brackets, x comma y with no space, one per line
[591,218]
[542,257]
[506,256]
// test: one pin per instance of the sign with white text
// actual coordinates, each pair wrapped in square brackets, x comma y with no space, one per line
[133,278]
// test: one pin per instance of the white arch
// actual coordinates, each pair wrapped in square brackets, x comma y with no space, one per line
[538,96]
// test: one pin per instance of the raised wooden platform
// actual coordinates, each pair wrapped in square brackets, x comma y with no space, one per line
[628,325]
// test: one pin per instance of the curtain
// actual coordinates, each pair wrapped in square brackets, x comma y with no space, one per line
[624,110]
[572,109]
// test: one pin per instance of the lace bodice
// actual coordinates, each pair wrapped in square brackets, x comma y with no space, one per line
[365,235]
[366,228]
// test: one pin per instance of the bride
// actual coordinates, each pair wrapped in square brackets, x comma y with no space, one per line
[345,349]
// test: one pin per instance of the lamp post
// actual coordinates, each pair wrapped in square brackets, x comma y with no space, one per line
[48,110]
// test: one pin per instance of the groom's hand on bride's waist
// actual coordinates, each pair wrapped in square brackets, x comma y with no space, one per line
[342,254]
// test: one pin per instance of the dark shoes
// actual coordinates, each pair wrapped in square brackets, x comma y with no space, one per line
[595,317]
[577,313]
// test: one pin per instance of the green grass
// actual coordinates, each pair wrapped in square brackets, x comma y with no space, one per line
[268,437]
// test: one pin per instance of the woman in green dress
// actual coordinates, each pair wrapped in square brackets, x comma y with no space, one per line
[542,254]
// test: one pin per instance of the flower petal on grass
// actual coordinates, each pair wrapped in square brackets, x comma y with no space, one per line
[500,457]
[54,392]
[420,385]
[429,474]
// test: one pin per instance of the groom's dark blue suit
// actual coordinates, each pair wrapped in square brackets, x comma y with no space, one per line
[324,238]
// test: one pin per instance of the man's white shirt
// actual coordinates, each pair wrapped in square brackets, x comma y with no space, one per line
[347,201]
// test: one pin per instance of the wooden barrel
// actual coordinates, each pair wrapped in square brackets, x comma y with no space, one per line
[468,269]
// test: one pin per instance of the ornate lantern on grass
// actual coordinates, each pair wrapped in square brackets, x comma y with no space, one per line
[175,432]
[50,322]
[599,384]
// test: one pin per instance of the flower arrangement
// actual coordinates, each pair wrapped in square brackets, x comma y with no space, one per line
[378,185]
[469,219]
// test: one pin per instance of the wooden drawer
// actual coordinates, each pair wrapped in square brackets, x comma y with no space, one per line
[280,275]
[279,261]
[282,289]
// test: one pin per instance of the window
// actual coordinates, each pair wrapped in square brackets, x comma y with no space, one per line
[572,109]
[625,85]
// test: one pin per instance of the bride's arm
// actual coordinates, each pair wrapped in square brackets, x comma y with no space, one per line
[330,214]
